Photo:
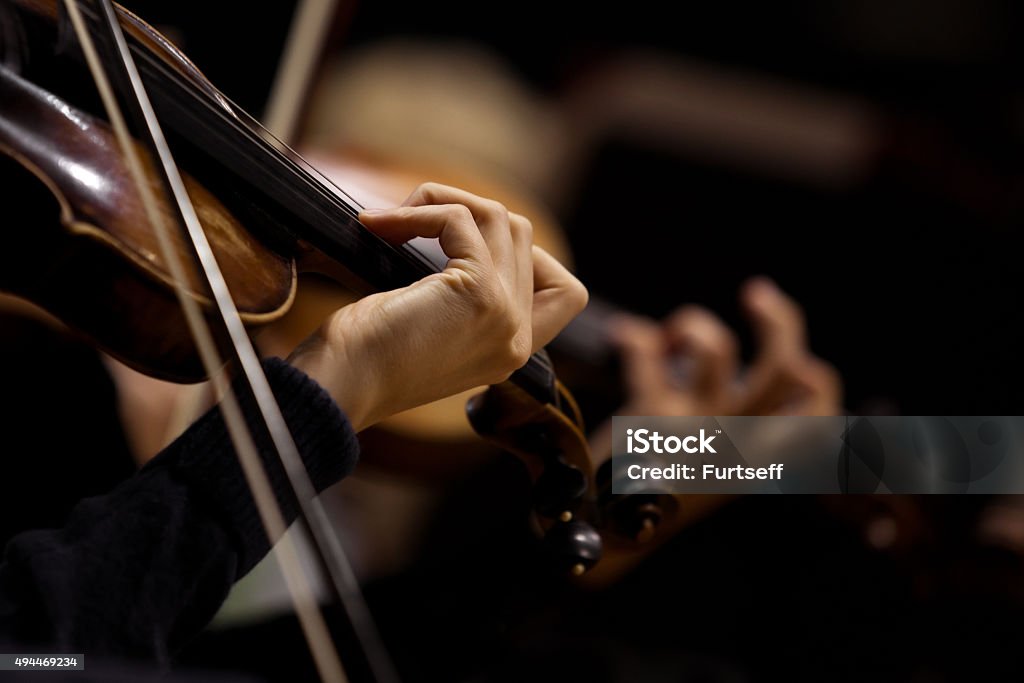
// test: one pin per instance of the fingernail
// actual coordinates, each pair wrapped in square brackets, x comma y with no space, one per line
[373,212]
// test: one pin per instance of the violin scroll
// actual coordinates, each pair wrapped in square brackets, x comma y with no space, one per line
[549,439]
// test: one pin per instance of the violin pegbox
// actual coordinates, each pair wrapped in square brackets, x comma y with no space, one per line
[548,438]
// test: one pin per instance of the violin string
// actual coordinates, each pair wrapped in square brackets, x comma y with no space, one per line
[255,134]
[252,137]
[279,153]
[246,126]
[325,541]
[315,629]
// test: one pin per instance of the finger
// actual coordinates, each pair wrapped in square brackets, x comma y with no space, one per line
[823,386]
[766,391]
[779,327]
[800,386]
[451,224]
[522,245]
[643,350]
[557,297]
[777,319]
[491,217]
[714,350]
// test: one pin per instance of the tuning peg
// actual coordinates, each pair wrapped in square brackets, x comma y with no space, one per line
[558,489]
[574,546]
[636,516]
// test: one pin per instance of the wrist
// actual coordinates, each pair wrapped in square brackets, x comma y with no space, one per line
[332,369]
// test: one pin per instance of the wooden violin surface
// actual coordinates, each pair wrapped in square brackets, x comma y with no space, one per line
[94,261]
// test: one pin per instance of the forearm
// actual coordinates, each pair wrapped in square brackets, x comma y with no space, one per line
[140,570]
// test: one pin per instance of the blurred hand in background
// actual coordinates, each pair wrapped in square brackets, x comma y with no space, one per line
[689,364]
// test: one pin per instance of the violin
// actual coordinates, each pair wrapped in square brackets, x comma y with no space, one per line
[268,216]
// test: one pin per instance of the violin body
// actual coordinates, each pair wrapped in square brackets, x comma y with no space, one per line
[94,262]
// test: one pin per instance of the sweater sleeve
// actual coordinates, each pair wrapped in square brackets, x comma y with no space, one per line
[140,570]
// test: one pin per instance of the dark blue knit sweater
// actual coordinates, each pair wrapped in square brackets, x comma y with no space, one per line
[135,573]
